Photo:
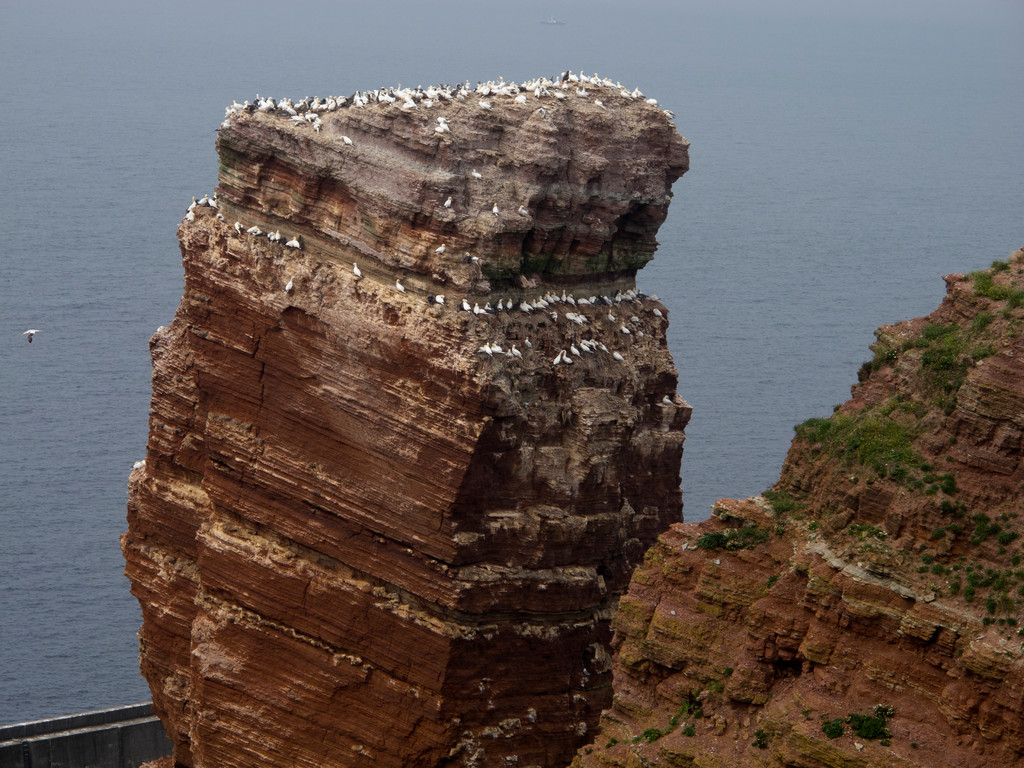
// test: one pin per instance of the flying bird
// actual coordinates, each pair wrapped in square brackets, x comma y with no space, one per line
[30,333]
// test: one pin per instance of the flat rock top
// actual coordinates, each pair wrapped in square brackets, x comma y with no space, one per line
[565,180]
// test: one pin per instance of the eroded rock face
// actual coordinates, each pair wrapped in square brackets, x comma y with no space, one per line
[885,568]
[358,539]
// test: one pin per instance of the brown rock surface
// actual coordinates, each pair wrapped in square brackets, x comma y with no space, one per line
[357,538]
[885,568]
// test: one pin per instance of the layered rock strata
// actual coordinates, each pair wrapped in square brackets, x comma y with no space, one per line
[374,528]
[868,610]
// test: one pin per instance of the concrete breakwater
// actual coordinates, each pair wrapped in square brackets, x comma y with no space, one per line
[122,737]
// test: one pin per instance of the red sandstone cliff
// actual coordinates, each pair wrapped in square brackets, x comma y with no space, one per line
[868,610]
[363,534]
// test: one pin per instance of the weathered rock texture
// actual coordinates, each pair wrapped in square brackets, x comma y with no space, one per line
[885,568]
[357,539]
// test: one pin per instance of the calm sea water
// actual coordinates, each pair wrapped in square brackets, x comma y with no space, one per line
[844,157]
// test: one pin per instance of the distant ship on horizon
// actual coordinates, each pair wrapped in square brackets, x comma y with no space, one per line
[553,20]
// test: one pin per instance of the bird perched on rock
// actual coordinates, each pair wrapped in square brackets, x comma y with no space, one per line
[399,287]
[440,249]
[448,202]
[347,140]
[30,333]
[294,243]
[494,210]
[477,175]
[523,211]
[290,286]
[355,270]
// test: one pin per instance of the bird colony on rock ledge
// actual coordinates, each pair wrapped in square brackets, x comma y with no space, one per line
[404,457]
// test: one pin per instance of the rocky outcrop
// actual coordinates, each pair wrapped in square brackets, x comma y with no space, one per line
[867,610]
[374,528]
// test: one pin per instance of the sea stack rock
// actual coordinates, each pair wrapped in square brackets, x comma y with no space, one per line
[375,527]
[869,609]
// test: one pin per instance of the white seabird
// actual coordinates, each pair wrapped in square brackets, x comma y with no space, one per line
[139,464]
[618,357]
[477,175]
[440,248]
[290,286]
[30,333]
[494,210]
[346,139]
[448,202]
[399,287]
[355,270]
[294,243]
[523,211]
[666,400]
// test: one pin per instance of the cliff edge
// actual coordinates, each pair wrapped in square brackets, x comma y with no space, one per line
[867,610]
[411,429]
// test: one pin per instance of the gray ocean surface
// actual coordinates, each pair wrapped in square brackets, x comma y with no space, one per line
[844,156]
